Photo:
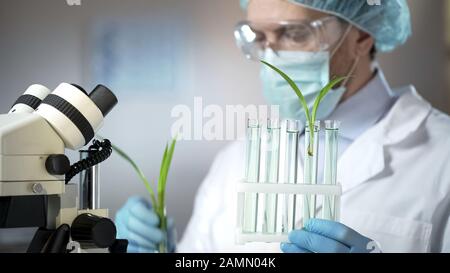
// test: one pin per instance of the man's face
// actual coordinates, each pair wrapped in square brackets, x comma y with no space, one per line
[282,10]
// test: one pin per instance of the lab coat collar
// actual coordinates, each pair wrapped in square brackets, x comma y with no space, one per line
[364,109]
[405,117]
[365,157]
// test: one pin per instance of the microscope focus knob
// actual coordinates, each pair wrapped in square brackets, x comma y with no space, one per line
[92,231]
[57,164]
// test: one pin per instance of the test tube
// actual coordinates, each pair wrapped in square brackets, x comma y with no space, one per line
[271,174]
[252,175]
[289,201]
[330,165]
[310,169]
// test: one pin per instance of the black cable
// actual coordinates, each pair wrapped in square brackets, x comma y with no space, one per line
[99,151]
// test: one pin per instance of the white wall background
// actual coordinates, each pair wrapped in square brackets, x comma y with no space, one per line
[47,42]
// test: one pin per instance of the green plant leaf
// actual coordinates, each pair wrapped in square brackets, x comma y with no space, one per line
[165,170]
[161,170]
[162,182]
[316,104]
[168,162]
[158,204]
[303,102]
[139,172]
[293,86]
[323,93]
[311,117]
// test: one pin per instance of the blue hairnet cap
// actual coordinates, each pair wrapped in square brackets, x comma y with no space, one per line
[388,21]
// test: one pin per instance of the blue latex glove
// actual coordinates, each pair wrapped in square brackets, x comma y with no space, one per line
[322,236]
[139,224]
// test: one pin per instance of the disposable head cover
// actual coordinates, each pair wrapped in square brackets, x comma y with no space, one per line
[388,21]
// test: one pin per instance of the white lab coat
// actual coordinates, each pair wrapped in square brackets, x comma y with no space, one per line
[395,178]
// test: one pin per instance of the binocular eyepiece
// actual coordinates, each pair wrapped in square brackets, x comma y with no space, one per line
[75,115]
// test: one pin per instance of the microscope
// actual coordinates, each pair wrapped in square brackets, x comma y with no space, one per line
[35,173]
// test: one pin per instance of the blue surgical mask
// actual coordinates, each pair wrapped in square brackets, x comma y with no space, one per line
[310,71]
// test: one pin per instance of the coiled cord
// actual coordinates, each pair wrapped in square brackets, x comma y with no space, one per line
[99,152]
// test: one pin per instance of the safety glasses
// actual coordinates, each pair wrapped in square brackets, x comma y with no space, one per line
[320,35]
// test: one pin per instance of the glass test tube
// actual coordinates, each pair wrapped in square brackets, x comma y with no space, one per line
[330,165]
[310,169]
[271,175]
[252,175]
[289,201]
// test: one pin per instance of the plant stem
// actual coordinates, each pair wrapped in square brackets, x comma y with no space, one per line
[163,226]
[310,145]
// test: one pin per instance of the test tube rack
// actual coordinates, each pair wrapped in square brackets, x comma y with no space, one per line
[281,189]
[257,189]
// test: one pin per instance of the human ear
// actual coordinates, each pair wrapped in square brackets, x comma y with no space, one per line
[364,44]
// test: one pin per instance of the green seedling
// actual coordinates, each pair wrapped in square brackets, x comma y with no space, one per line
[158,199]
[310,115]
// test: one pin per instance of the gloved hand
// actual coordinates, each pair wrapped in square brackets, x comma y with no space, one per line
[139,224]
[322,236]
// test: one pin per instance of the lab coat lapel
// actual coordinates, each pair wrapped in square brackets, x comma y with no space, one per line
[365,158]
[361,161]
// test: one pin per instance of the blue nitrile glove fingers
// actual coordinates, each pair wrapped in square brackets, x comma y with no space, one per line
[323,236]
[138,223]
[134,248]
[316,243]
[292,248]
[144,222]
[171,235]
[341,233]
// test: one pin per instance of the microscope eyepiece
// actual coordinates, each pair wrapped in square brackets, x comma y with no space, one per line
[103,98]
[79,88]
[31,99]
[74,115]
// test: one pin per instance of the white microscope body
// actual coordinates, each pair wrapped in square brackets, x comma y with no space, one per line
[34,171]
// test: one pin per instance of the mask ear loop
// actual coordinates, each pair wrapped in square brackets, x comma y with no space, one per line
[341,41]
[352,69]
[355,63]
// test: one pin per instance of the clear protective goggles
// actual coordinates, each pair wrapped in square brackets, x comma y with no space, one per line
[253,38]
